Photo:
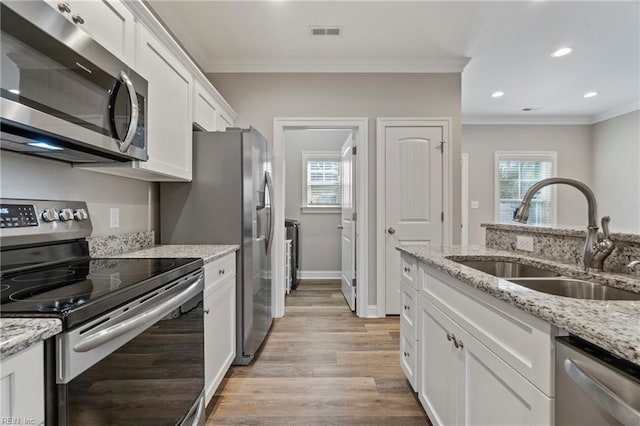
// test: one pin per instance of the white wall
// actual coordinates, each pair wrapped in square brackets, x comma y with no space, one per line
[35,178]
[319,234]
[572,143]
[258,98]
[616,170]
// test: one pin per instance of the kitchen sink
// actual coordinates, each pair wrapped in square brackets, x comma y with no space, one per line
[504,269]
[577,289]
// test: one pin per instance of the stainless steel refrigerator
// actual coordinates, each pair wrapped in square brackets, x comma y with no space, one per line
[229,202]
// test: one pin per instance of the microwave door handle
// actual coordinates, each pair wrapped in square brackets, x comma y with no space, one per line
[602,395]
[133,122]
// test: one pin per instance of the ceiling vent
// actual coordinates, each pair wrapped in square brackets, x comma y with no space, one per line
[325,31]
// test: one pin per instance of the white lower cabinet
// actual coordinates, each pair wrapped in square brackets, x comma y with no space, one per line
[219,322]
[22,387]
[478,360]
[463,382]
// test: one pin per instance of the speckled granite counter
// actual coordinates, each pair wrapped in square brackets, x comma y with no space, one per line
[17,334]
[208,253]
[612,325]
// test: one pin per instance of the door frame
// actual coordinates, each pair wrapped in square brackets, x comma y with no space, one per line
[381,198]
[360,127]
[464,196]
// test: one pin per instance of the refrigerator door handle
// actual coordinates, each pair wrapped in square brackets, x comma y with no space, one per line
[269,190]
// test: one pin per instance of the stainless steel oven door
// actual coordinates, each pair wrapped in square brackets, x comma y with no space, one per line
[141,364]
[62,91]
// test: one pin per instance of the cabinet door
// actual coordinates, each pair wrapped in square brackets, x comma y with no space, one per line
[169,125]
[494,393]
[22,386]
[408,315]
[220,334]
[205,109]
[108,22]
[439,362]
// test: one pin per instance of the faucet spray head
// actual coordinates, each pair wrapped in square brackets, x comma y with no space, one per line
[522,213]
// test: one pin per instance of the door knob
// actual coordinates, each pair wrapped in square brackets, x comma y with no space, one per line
[391,231]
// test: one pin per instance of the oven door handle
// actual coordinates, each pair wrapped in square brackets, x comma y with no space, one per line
[147,317]
[133,121]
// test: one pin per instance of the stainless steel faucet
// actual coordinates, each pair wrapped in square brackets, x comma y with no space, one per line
[595,249]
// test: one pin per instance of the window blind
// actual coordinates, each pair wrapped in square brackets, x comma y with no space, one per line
[515,177]
[323,183]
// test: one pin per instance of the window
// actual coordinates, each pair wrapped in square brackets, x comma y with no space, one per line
[515,173]
[322,181]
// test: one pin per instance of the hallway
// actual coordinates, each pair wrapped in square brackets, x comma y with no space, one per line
[321,365]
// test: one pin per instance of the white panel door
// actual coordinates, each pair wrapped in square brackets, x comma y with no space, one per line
[347,228]
[413,186]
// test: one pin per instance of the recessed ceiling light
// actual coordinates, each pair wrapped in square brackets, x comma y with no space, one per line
[14,91]
[590,94]
[497,94]
[561,52]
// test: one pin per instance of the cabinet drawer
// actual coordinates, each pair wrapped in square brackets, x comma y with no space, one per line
[408,308]
[409,269]
[523,341]
[216,271]
[408,357]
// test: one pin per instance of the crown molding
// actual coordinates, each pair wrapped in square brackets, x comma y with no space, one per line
[561,120]
[448,65]
[615,112]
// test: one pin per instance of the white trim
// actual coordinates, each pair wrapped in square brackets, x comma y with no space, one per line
[529,155]
[464,163]
[381,124]
[443,65]
[320,275]
[372,311]
[550,119]
[615,112]
[320,210]
[360,127]
[529,120]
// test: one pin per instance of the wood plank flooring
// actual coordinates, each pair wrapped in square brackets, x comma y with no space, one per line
[321,365]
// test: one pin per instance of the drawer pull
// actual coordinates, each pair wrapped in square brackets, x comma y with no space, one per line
[451,336]
[77,19]
[407,270]
[206,311]
[63,7]
[458,343]
[406,354]
[407,307]
[221,272]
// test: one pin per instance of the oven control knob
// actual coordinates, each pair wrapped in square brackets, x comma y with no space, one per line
[65,215]
[49,215]
[80,214]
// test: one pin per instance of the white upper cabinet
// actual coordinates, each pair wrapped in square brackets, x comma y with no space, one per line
[108,22]
[169,125]
[205,108]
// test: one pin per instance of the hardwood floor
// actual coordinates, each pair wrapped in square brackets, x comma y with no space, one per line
[321,365]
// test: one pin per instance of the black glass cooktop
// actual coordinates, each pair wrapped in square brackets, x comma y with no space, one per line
[83,289]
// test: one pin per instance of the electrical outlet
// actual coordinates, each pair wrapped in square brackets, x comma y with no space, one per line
[114,217]
[524,243]
[475,204]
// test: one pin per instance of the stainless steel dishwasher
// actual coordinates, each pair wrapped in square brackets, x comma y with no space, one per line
[594,387]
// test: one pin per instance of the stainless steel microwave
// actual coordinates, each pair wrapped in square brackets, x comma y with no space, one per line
[63,95]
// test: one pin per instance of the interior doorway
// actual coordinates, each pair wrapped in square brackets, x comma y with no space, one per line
[320,182]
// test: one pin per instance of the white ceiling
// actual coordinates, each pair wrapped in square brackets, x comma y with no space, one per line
[505,46]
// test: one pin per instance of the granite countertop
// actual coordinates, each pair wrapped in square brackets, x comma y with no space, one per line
[612,325]
[17,334]
[207,252]
[566,231]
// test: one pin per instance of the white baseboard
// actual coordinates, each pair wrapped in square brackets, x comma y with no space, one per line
[372,311]
[320,275]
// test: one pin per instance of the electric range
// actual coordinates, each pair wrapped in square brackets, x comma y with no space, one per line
[128,323]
